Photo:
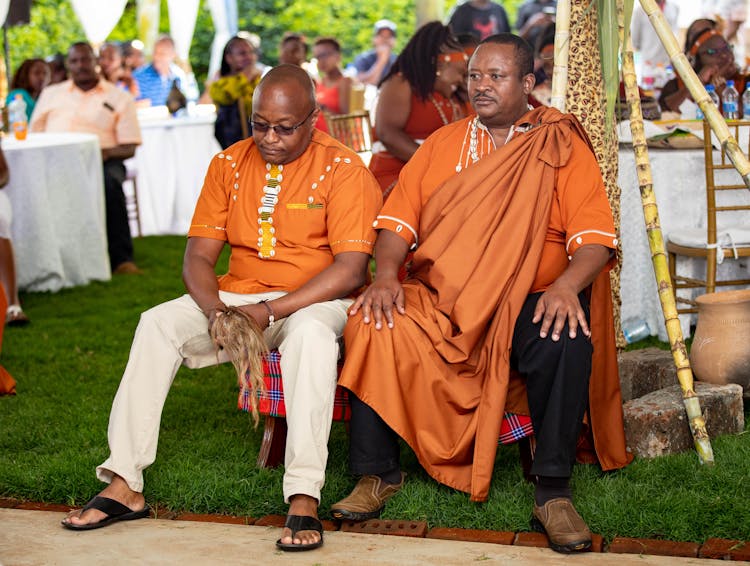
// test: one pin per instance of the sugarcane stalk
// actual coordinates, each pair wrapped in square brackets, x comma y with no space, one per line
[661,270]
[562,45]
[696,89]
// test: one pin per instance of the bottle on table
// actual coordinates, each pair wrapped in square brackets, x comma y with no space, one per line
[192,92]
[746,103]
[713,95]
[730,103]
[17,117]
[648,78]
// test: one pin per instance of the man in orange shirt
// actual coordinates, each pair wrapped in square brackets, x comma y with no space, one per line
[296,208]
[87,103]
[511,224]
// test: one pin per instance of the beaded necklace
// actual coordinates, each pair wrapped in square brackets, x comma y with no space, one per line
[267,241]
[439,108]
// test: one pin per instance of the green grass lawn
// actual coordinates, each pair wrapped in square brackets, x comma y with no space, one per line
[68,364]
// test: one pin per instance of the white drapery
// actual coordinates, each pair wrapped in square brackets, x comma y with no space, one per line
[4,5]
[98,18]
[182,15]
[224,15]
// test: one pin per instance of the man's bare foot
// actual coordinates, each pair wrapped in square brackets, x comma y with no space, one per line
[117,490]
[305,506]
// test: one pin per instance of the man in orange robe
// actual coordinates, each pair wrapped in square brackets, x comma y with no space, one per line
[512,223]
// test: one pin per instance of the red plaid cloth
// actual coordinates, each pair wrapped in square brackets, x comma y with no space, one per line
[271,402]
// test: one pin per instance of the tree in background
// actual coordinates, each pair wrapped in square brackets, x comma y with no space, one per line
[54,26]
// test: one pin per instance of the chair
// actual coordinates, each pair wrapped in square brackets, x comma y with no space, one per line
[514,428]
[131,201]
[724,236]
[353,130]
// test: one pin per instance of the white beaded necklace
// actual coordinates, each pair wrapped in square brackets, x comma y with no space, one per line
[440,110]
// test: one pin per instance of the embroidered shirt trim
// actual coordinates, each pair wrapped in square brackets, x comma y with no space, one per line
[578,234]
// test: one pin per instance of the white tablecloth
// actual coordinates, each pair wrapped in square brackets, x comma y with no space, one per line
[56,190]
[171,164]
[680,185]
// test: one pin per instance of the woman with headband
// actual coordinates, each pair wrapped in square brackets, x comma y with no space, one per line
[712,59]
[424,90]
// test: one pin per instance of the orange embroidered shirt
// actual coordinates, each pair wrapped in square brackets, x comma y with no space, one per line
[286,223]
[105,110]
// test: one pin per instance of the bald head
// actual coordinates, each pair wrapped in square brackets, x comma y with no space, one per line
[284,113]
[290,79]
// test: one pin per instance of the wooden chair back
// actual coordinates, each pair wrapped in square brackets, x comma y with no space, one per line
[726,235]
[354,130]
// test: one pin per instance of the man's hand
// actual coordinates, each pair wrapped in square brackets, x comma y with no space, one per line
[383,51]
[557,305]
[378,300]
[560,304]
[259,312]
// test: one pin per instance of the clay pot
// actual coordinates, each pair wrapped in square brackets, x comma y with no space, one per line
[720,352]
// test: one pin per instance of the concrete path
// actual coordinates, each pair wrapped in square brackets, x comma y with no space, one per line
[36,538]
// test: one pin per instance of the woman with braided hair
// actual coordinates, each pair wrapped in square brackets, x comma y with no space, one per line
[712,59]
[424,90]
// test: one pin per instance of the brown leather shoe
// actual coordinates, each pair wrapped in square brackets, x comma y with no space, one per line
[566,530]
[127,268]
[367,499]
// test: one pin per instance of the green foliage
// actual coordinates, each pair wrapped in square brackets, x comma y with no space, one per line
[54,26]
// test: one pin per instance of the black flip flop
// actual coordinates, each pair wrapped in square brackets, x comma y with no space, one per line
[301,523]
[115,511]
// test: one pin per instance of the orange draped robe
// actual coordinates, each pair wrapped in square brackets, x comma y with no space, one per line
[441,377]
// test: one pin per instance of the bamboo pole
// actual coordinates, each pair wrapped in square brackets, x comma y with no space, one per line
[661,270]
[562,45]
[697,91]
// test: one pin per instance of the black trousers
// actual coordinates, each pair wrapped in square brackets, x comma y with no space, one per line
[557,379]
[119,242]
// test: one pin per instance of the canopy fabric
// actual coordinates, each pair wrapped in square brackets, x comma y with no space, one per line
[4,5]
[224,14]
[98,18]
[182,15]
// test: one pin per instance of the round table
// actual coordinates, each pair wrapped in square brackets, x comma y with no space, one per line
[170,166]
[56,191]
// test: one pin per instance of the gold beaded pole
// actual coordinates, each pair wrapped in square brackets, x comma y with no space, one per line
[696,421]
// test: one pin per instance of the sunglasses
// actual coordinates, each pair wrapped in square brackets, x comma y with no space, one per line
[711,51]
[262,127]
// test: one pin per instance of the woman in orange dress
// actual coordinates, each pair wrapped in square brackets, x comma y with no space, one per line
[424,91]
[333,88]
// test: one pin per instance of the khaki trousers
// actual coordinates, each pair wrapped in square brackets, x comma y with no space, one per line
[176,332]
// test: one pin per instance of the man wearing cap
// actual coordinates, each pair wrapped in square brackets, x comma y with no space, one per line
[373,65]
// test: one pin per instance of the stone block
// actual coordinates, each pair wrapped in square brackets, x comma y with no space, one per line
[416,529]
[656,424]
[723,549]
[645,371]
[537,540]
[655,547]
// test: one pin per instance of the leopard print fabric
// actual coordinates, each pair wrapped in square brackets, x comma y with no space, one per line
[585,100]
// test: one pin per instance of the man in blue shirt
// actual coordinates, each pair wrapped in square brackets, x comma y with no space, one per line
[155,80]
[372,66]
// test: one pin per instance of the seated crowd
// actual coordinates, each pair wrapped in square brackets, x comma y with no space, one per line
[455,317]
